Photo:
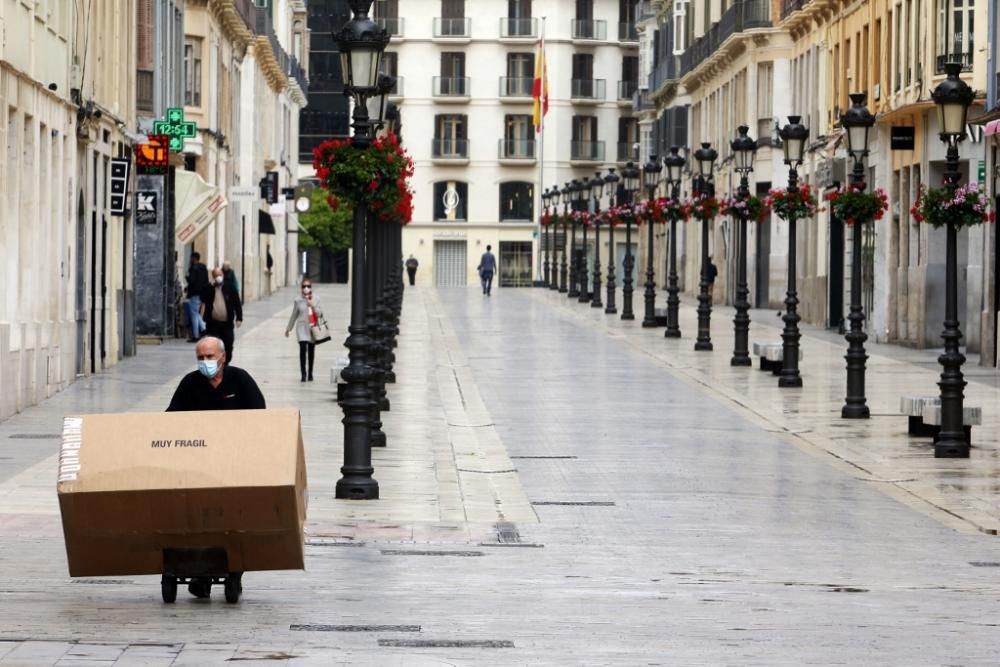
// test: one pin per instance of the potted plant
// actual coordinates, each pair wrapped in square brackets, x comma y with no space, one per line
[704,207]
[755,208]
[797,204]
[966,208]
[662,210]
[853,204]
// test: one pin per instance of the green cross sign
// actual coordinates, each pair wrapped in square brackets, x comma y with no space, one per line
[176,128]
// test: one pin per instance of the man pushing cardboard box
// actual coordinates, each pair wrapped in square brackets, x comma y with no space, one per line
[189,495]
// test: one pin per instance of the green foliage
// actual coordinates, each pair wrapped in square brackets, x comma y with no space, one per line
[323,227]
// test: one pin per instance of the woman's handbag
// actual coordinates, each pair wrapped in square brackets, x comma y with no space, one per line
[318,331]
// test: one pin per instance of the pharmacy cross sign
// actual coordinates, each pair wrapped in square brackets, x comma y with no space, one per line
[176,128]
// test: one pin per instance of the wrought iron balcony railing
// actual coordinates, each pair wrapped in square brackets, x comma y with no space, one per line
[518,28]
[451,86]
[450,149]
[517,149]
[589,29]
[964,58]
[586,151]
[588,89]
[516,86]
[444,27]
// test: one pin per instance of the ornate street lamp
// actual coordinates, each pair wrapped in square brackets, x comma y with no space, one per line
[952,97]
[857,121]
[744,150]
[547,238]
[611,181]
[582,272]
[566,192]
[596,190]
[630,181]
[705,157]
[675,168]
[361,42]
[651,178]
[575,192]
[793,138]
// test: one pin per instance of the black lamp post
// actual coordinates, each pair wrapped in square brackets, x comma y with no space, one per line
[361,42]
[952,97]
[546,238]
[675,167]
[705,157]
[793,137]
[630,177]
[565,192]
[651,177]
[575,190]
[596,190]
[583,270]
[611,180]
[744,150]
[858,121]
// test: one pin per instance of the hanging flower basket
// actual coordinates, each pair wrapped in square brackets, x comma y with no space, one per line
[662,210]
[967,208]
[704,208]
[378,176]
[622,215]
[580,217]
[853,205]
[797,204]
[754,207]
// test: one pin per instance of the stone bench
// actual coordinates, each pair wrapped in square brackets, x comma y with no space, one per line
[913,408]
[772,355]
[971,416]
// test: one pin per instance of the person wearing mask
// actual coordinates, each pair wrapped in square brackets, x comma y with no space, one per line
[197,281]
[487,267]
[214,385]
[305,315]
[221,309]
[411,269]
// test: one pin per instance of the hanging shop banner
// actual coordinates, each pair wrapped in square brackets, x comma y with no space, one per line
[153,157]
[902,138]
[196,204]
[146,207]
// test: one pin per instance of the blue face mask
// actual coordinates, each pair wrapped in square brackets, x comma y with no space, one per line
[208,367]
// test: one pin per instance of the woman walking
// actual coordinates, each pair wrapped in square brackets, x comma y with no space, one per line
[306,314]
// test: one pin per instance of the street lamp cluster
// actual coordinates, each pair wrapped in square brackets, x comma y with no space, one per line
[952,96]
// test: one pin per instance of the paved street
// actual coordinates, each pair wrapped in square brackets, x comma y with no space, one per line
[559,488]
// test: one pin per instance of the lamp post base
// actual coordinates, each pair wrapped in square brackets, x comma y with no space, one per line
[672,333]
[357,488]
[794,381]
[951,450]
[741,361]
[702,346]
[854,411]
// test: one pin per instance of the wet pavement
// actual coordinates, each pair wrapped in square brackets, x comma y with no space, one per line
[560,487]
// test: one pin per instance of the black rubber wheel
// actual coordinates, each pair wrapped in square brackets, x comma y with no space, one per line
[234,587]
[168,587]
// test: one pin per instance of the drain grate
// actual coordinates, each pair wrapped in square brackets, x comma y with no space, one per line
[507,532]
[35,436]
[580,503]
[445,643]
[106,582]
[412,552]
[335,544]
[310,627]
[542,458]
[984,563]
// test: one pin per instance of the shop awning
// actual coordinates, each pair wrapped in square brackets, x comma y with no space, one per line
[265,223]
[196,203]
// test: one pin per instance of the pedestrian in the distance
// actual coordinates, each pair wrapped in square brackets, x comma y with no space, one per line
[411,269]
[306,314]
[222,311]
[711,272]
[197,282]
[230,277]
[487,267]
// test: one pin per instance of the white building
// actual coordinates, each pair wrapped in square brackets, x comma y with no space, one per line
[465,71]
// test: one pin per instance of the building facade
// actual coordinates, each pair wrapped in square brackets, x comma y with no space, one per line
[465,72]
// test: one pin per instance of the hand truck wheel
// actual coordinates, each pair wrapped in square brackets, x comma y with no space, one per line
[234,587]
[168,588]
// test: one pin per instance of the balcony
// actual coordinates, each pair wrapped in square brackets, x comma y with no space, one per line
[450,149]
[964,58]
[586,151]
[517,150]
[626,89]
[144,90]
[516,86]
[589,30]
[452,28]
[392,24]
[789,6]
[518,28]
[588,90]
[628,151]
[642,100]
[644,11]
[665,72]
[454,87]
[740,17]
[627,33]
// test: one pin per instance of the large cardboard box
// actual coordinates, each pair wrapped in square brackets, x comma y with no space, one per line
[134,485]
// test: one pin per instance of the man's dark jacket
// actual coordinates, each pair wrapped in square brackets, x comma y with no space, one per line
[197,279]
[234,309]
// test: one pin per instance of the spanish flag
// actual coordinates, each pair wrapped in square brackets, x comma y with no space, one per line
[540,89]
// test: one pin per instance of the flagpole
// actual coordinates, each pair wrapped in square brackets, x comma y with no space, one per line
[541,164]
